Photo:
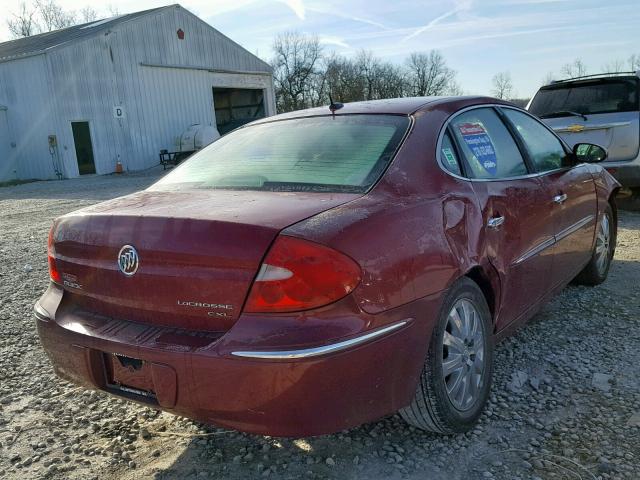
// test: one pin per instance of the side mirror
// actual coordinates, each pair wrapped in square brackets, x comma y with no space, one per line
[589,153]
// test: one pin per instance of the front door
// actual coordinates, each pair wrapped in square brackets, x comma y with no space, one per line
[569,196]
[517,231]
[574,204]
[84,147]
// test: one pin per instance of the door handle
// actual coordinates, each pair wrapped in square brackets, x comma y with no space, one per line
[495,222]
[560,199]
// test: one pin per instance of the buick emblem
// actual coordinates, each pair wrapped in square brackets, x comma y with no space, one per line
[128,260]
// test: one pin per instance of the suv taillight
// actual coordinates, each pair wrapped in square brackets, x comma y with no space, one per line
[53,269]
[300,275]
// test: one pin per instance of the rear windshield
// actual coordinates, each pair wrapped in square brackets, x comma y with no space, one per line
[601,96]
[343,154]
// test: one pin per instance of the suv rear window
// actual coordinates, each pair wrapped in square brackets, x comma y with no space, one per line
[346,153]
[587,97]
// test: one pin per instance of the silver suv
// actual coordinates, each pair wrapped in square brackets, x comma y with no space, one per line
[603,109]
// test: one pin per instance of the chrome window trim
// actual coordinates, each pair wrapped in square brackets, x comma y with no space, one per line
[317,351]
[502,179]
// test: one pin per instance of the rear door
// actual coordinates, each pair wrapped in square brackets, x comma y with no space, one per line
[610,110]
[517,232]
[570,195]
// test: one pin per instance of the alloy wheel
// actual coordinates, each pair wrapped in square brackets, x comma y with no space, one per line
[463,365]
[603,240]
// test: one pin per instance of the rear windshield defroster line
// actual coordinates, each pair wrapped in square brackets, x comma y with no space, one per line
[346,153]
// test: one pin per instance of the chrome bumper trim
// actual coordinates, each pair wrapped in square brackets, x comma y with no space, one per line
[323,350]
[41,313]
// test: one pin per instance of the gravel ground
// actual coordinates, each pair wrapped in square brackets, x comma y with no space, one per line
[565,402]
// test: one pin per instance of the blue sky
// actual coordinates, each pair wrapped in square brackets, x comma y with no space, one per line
[528,38]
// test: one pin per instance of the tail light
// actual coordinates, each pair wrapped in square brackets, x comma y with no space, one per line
[300,275]
[53,269]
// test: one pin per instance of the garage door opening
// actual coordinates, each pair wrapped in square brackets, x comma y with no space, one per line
[236,106]
[84,148]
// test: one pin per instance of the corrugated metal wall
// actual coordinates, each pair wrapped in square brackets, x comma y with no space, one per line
[24,90]
[134,66]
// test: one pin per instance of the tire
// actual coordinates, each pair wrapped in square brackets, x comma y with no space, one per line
[433,408]
[597,269]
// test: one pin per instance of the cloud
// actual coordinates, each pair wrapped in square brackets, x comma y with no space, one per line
[331,40]
[340,13]
[460,5]
[297,6]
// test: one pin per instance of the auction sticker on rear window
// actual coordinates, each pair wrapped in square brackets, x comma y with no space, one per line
[479,142]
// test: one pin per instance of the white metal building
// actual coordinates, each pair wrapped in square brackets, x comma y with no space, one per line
[80,99]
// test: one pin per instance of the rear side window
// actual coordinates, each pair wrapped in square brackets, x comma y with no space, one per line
[448,155]
[347,153]
[595,96]
[545,150]
[487,146]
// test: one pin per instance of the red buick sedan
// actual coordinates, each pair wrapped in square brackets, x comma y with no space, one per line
[316,270]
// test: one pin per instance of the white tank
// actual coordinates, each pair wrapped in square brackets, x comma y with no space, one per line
[198,136]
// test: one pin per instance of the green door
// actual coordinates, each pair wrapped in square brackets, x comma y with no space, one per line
[84,148]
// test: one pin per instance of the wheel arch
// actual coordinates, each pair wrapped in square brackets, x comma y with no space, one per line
[489,283]
[614,208]
[614,205]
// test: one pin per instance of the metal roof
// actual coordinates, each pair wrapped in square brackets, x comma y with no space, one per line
[23,47]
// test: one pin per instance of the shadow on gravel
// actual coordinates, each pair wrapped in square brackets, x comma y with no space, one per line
[233,455]
[93,187]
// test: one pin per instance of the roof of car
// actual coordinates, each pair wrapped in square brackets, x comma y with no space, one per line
[391,106]
[598,77]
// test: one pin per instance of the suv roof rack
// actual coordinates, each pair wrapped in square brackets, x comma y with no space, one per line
[596,75]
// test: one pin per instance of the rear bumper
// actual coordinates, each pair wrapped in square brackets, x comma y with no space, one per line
[212,378]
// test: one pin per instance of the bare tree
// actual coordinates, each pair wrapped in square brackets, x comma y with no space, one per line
[577,68]
[428,73]
[368,67]
[53,16]
[88,14]
[549,78]
[47,15]
[390,81]
[502,85]
[454,89]
[295,69]
[304,76]
[634,62]
[343,80]
[113,10]
[23,23]
[614,66]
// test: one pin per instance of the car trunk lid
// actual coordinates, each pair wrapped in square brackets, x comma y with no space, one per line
[198,252]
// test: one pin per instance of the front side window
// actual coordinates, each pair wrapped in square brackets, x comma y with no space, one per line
[345,153]
[488,147]
[545,150]
[586,97]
